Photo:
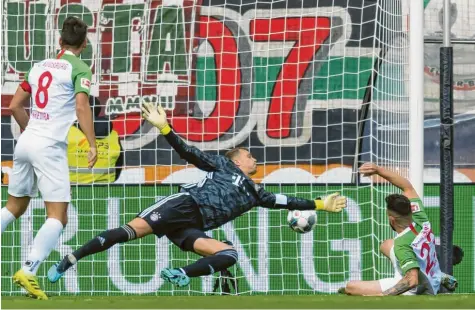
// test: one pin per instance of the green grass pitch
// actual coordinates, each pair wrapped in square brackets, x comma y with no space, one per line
[462,301]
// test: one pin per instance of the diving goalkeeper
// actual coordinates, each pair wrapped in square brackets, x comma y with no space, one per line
[225,193]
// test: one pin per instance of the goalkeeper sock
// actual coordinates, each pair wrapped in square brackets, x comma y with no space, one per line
[7,218]
[99,244]
[67,262]
[211,264]
[45,241]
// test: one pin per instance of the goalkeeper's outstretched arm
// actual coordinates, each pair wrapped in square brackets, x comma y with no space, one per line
[192,154]
[158,118]
[331,203]
[401,182]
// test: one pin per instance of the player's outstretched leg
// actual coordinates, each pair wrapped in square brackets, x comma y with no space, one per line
[100,243]
[218,256]
[137,228]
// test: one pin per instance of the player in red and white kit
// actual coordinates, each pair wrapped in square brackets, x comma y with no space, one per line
[59,89]
[412,252]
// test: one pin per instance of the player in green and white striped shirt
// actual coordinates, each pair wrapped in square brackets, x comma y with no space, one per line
[412,252]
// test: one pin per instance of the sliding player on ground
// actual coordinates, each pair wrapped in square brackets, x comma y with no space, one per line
[225,193]
[412,252]
[59,89]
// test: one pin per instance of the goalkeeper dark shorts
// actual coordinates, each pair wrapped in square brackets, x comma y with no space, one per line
[178,217]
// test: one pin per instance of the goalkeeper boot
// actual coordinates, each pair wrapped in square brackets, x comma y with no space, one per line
[30,284]
[53,274]
[449,282]
[175,276]
[57,270]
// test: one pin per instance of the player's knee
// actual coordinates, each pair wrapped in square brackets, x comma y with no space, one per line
[229,255]
[16,211]
[203,245]
[17,205]
[351,288]
[118,235]
[62,218]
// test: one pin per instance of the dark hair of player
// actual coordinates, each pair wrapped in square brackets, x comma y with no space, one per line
[231,154]
[457,254]
[399,204]
[74,32]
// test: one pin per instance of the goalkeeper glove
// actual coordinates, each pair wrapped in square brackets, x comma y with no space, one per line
[156,116]
[332,203]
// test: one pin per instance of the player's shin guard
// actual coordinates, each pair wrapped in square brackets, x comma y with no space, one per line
[211,264]
[100,243]
[44,242]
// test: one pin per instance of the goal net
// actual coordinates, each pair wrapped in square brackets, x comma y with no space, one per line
[311,88]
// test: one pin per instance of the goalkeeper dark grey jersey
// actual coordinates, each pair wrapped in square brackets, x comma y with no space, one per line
[226,192]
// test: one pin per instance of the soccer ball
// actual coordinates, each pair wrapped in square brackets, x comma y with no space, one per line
[302,221]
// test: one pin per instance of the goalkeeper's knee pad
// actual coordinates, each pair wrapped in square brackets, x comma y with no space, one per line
[118,235]
[228,258]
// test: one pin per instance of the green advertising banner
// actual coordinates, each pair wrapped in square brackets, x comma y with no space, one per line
[272,258]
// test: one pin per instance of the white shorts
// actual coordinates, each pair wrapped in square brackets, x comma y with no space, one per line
[40,163]
[390,282]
